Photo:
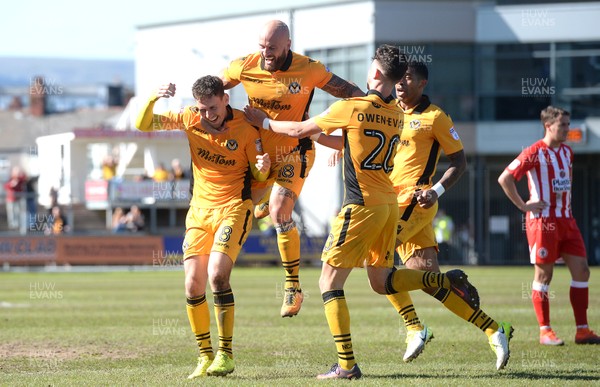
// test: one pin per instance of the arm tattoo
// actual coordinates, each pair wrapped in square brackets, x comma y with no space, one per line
[341,88]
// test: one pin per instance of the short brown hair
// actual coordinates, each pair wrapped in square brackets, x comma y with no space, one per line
[552,113]
[208,86]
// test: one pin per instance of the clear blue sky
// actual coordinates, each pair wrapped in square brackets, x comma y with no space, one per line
[105,29]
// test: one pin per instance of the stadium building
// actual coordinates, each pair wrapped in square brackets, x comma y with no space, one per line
[493,66]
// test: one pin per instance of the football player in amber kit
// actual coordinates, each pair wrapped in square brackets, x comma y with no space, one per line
[281,83]
[226,154]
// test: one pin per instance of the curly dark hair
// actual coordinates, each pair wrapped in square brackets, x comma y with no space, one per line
[393,62]
[208,86]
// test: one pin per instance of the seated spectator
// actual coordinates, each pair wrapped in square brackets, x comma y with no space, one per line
[160,173]
[134,220]
[177,172]
[57,222]
[119,220]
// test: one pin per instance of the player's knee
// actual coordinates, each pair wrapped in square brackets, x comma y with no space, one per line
[219,281]
[193,288]
[378,287]
[583,273]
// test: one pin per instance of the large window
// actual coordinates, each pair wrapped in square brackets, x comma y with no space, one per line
[451,78]
[516,80]
[350,63]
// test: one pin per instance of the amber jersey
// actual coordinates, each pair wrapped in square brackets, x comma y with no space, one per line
[427,130]
[371,128]
[284,95]
[221,163]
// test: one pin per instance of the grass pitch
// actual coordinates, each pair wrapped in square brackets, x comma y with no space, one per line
[130,328]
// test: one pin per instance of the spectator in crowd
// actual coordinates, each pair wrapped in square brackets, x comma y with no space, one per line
[31,190]
[160,173]
[177,172]
[14,189]
[119,220]
[134,220]
[57,222]
[109,167]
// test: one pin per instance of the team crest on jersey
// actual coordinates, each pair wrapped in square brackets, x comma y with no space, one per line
[232,145]
[415,124]
[542,252]
[294,87]
[562,174]
[376,105]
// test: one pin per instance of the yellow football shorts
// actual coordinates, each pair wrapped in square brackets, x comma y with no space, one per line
[415,229]
[289,171]
[223,229]
[362,236]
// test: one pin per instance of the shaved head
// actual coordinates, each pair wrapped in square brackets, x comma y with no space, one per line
[276,29]
[274,43]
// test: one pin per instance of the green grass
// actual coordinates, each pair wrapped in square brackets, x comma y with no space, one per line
[131,328]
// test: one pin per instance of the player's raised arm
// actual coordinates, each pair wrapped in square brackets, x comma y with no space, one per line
[147,121]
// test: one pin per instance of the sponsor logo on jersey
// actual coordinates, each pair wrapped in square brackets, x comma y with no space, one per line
[232,145]
[270,104]
[561,184]
[258,144]
[214,157]
[251,79]
[329,243]
[454,134]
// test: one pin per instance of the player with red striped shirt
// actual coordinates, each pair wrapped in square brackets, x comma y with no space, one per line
[552,232]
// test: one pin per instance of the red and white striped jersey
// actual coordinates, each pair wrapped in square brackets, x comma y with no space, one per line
[549,174]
